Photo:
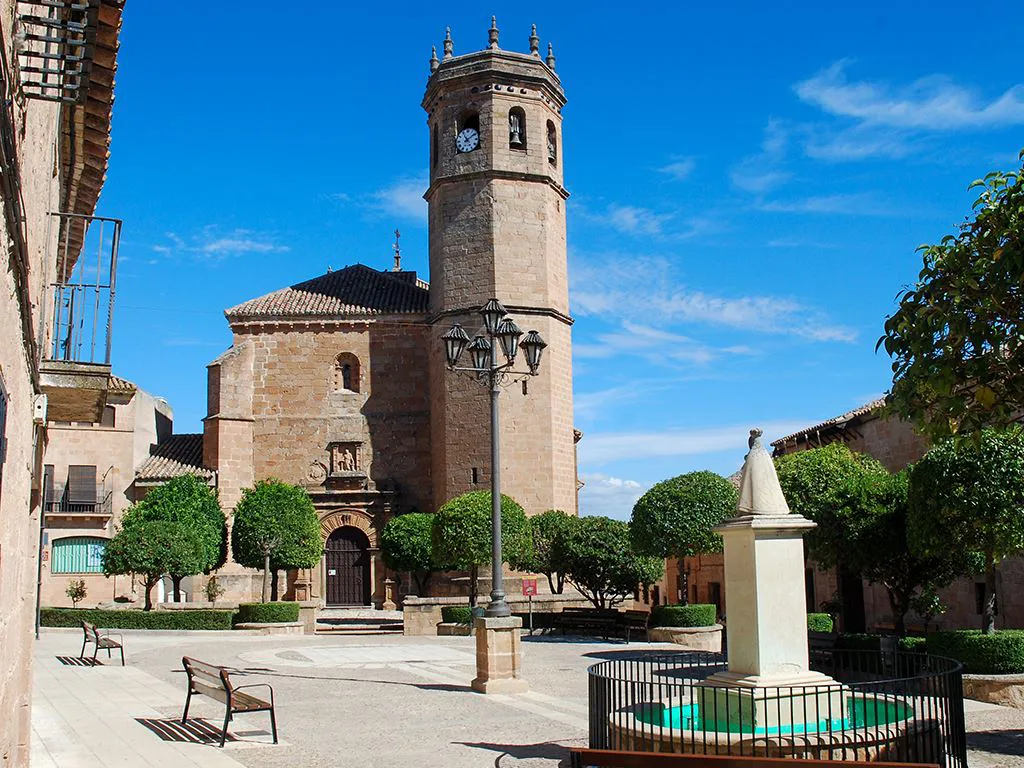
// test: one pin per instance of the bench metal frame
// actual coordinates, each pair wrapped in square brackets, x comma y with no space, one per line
[102,639]
[215,682]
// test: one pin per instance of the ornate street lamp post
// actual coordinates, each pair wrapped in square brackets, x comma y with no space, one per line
[499,330]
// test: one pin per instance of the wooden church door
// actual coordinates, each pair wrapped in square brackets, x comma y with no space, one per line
[347,559]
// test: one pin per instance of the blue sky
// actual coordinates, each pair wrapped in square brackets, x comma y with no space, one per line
[749,184]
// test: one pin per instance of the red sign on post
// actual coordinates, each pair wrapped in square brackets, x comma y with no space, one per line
[529,587]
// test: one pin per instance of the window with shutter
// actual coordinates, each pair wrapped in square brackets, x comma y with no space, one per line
[78,554]
[81,484]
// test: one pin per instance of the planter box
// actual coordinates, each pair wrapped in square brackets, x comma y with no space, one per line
[1006,690]
[454,630]
[690,638]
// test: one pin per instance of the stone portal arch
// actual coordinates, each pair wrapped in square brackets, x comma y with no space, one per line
[353,517]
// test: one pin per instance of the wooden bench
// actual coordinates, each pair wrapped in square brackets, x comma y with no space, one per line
[634,621]
[215,682]
[598,621]
[603,758]
[101,638]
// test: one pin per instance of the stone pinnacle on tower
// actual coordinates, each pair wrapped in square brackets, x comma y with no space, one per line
[434,63]
[534,42]
[550,61]
[492,34]
[448,44]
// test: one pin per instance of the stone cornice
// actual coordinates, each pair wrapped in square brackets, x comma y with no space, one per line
[512,309]
[252,325]
[487,66]
[495,173]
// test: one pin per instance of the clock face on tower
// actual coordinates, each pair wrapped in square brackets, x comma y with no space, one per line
[467,140]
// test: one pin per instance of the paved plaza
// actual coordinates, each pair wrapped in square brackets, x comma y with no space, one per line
[343,701]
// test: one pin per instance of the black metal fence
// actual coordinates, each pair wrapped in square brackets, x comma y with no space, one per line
[884,705]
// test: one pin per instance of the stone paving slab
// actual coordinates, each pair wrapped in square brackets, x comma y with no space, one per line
[360,702]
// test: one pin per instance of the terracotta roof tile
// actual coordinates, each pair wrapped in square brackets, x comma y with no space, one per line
[837,421]
[117,384]
[356,290]
[177,455]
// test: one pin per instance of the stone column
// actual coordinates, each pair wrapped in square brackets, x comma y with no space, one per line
[767,624]
[499,657]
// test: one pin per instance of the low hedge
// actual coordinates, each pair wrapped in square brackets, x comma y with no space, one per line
[133,618]
[819,622]
[1001,653]
[456,614]
[695,615]
[266,613]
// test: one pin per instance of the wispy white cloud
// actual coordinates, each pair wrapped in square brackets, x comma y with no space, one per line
[860,204]
[763,171]
[655,345]
[600,449]
[608,496]
[211,243]
[679,169]
[933,103]
[644,290]
[859,142]
[402,199]
[634,220]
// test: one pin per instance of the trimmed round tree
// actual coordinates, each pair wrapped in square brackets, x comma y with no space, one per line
[461,535]
[597,556]
[967,495]
[676,516]
[275,527]
[152,548]
[191,503]
[406,544]
[545,528]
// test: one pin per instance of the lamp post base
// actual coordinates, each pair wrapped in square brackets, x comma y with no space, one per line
[499,656]
[497,608]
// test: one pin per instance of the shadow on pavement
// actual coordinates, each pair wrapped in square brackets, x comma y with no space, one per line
[194,731]
[1009,742]
[547,750]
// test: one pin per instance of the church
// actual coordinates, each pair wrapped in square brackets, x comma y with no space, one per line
[339,383]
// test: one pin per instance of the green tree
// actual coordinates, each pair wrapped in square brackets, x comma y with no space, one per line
[676,516]
[406,544]
[956,339]
[597,556]
[862,514]
[191,503]
[462,535]
[275,527]
[817,484]
[968,496]
[152,548]
[545,528]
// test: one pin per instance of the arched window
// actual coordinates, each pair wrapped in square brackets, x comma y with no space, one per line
[516,128]
[346,373]
[552,144]
[78,554]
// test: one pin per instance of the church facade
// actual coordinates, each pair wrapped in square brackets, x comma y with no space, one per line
[339,384]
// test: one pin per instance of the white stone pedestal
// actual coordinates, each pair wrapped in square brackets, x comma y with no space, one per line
[498,655]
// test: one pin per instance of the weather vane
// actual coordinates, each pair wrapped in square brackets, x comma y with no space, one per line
[398,252]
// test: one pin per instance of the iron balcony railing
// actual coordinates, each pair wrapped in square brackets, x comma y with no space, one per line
[56,44]
[101,507]
[83,295]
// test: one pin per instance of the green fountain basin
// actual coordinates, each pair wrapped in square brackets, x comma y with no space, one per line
[860,712]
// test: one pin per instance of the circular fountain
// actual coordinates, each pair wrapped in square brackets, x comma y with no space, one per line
[768,698]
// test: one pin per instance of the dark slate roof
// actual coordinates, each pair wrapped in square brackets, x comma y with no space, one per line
[356,290]
[837,422]
[177,455]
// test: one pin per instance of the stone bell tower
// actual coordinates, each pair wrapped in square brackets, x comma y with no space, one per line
[497,230]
